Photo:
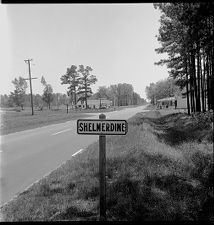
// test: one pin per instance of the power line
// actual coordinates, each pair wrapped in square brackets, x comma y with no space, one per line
[31,94]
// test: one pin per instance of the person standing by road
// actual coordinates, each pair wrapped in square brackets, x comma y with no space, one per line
[175,104]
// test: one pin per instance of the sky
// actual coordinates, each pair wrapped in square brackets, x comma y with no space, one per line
[117,40]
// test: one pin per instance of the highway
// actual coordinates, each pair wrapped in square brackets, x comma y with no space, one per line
[29,155]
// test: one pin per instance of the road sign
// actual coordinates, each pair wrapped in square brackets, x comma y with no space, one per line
[102,127]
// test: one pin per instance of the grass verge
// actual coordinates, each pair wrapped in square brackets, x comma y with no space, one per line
[148,177]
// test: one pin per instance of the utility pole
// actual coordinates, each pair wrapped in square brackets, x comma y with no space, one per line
[31,94]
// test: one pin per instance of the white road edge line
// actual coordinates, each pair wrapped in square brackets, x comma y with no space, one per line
[77,152]
[16,195]
[61,131]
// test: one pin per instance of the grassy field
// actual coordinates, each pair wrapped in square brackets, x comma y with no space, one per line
[161,170]
[14,120]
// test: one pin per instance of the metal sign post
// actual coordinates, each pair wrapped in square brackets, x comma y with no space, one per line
[102,127]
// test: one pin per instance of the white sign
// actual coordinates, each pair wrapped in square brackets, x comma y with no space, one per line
[102,127]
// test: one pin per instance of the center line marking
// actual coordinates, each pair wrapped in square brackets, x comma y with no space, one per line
[61,131]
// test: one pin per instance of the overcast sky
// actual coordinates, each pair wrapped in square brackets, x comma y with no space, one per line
[117,40]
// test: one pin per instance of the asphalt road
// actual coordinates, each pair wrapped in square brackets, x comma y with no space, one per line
[29,155]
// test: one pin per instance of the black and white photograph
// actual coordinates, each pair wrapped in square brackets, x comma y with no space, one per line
[106,111]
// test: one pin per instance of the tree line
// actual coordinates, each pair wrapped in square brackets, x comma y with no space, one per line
[186,35]
[19,98]
[79,81]
[121,94]
[162,89]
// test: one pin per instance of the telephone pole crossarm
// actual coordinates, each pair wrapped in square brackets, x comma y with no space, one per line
[31,78]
